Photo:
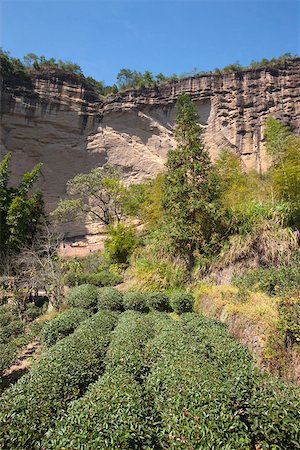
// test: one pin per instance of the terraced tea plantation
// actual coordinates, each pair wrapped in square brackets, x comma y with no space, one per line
[138,379]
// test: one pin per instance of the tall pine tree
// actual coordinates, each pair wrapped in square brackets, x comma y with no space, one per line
[190,186]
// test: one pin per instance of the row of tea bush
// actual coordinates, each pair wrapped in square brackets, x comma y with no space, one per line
[30,408]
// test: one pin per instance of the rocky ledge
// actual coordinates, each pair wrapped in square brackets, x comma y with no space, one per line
[58,119]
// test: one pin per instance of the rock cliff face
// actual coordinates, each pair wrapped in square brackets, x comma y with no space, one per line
[57,119]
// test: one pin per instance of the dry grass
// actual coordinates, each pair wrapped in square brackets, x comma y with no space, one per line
[49,315]
[222,301]
[268,244]
[174,315]
[149,272]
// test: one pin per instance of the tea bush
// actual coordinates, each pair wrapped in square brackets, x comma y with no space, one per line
[32,312]
[30,408]
[204,389]
[129,339]
[101,279]
[112,415]
[15,333]
[62,325]
[135,300]
[114,412]
[110,298]
[83,296]
[157,301]
[7,355]
[181,302]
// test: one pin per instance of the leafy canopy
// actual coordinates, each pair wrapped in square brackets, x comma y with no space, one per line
[21,212]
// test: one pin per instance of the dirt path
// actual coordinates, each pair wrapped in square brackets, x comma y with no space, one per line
[22,363]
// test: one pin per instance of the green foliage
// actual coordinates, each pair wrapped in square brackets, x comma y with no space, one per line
[93,269]
[8,352]
[10,66]
[99,195]
[62,325]
[11,324]
[157,301]
[270,62]
[207,394]
[189,189]
[153,265]
[126,78]
[236,67]
[32,312]
[15,332]
[151,209]
[83,296]
[259,212]
[110,298]
[136,301]
[114,412]
[102,278]
[167,384]
[281,280]
[289,319]
[134,198]
[30,407]
[284,148]
[120,243]
[181,302]
[21,213]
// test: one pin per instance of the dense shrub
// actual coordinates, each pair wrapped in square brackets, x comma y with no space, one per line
[129,339]
[110,298]
[157,301]
[62,325]
[83,296]
[31,312]
[135,300]
[102,278]
[120,243]
[181,302]
[206,397]
[11,330]
[10,323]
[289,319]
[30,407]
[7,355]
[114,413]
[280,280]
[7,314]
[12,333]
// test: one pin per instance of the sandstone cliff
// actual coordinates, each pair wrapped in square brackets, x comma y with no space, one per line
[58,119]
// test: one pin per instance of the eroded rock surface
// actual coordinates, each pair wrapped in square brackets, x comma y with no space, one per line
[57,119]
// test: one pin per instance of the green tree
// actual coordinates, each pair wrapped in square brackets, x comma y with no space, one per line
[100,195]
[284,148]
[148,78]
[189,189]
[21,213]
[120,243]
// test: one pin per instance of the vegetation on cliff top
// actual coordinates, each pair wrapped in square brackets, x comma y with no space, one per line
[125,79]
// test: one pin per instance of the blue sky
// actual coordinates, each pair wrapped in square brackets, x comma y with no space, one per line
[169,36]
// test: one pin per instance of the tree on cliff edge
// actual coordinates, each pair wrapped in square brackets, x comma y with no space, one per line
[190,186]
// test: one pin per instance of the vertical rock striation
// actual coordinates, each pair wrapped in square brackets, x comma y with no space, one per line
[58,119]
